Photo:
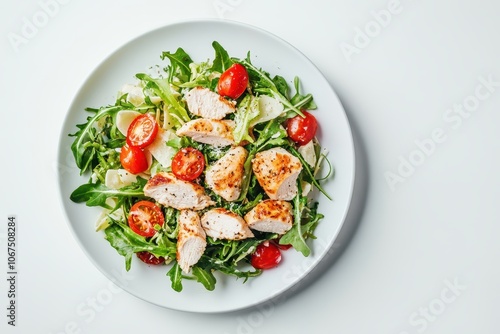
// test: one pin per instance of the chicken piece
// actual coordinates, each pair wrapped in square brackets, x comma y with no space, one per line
[213,132]
[270,216]
[191,240]
[277,170]
[226,175]
[220,223]
[166,189]
[207,104]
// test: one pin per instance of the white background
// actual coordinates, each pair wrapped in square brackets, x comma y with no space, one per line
[420,256]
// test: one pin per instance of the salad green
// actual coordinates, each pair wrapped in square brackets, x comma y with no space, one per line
[258,126]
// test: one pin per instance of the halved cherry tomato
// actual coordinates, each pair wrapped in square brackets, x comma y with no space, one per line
[133,159]
[142,131]
[266,256]
[302,129]
[188,164]
[149,258]
[233,82]
[143,217]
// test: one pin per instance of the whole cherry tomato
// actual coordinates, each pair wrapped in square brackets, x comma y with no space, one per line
[266,256]
[233,82]
[149,258]
[133,159]
[302,129]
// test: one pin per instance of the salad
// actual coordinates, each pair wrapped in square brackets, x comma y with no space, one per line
[203,167]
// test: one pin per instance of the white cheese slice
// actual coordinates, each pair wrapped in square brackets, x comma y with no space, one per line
[269,107]
[308,153]
[118,178]
[124,118]
[306,188]
[103,219]
[136,95]
[159,149]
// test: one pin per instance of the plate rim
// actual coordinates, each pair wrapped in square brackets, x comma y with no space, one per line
[171,25]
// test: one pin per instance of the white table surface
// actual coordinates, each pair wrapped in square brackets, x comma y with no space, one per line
[420,256]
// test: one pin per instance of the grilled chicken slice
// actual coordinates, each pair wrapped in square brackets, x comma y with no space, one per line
[213,132]
[207,104]
[191,240]
[226,175]
[166,189]
[220,223]
[277,170]
[270,216]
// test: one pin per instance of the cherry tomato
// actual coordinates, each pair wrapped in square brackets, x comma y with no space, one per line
[142,131]
[266,256]
[149,258]
[188,164]
[143,217]
[233,82]
[302,129]
[133,159]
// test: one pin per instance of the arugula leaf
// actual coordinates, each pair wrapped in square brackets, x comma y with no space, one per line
[180,61]
[171,226]
[305,221]
[295,236]
[272,130]
[95,194]
[281,85]
[162,88]
[219,265]
[175,274]
[205,277]
[201,76]
[247,176]
[265,85]
[242,208]
[82,147]
[127,243]
[302,101]
[309,172]
[222,61]
[248,110]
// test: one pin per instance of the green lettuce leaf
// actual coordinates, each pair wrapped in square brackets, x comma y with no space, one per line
[127,243]
[248,110]
[175,274]
[95,194]
[205,277]
[222,61]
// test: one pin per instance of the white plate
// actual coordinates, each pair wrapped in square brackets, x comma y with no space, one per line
[268,52]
